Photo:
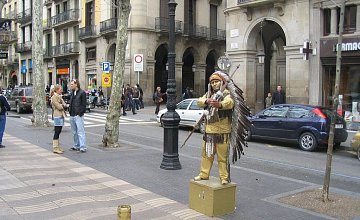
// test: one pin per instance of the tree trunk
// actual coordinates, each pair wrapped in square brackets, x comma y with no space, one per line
[326,186]
[111,136]
[40,116]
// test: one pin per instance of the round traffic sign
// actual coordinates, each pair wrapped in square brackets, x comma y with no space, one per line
[106,79]
[224,63]
[138,59]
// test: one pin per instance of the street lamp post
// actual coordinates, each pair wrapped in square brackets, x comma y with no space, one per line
[171,118]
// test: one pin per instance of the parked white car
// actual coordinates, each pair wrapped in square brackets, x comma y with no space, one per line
[189,112]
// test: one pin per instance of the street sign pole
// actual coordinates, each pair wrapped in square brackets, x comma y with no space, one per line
[138,75]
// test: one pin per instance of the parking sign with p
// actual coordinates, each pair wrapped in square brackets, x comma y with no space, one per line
[106,67]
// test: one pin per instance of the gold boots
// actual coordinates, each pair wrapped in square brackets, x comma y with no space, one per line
[56,148]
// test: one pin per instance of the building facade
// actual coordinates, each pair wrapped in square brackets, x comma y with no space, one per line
[8,44]
[279,28]
[80,35]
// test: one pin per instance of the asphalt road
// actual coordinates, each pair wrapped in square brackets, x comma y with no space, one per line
[266,169]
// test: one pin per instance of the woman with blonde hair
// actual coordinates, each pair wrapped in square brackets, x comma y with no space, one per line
[58,105]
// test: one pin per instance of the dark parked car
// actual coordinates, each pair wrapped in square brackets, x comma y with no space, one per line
[305,124]
[21,98]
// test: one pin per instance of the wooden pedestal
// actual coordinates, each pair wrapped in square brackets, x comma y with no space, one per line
[211,198]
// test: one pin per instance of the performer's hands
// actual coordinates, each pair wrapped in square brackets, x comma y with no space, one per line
[214,103]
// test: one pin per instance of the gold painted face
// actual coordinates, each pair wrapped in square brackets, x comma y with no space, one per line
[215,84]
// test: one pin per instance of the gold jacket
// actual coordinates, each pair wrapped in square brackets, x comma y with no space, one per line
[223,126]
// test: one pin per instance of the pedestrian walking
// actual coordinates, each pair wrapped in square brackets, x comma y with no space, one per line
[141,95]
[58,114]
[77,110]
[278,96]
[136,97]
[187,94]
[220,132]
[268,100]
[129,102]
[4,107]
[158,99]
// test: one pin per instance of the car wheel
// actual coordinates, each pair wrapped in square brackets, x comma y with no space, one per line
[202,127]
[247,135]
[358,153]
[18,109]
[337,145]
[161,122]
[308,142]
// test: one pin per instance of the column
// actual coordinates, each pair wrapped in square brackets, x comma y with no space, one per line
[358,19]
[334,21]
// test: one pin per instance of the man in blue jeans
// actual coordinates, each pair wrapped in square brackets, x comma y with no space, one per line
[4,106]
[77,109]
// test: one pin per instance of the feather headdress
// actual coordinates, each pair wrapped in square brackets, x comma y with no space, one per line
[240,123]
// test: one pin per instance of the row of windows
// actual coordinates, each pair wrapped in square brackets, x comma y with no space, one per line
[349,20]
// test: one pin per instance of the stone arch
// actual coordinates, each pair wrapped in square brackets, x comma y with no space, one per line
[111,50]
[161,72]
[211,65]
[190,58]
[267,35]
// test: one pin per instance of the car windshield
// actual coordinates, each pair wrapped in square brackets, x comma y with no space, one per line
[28,91]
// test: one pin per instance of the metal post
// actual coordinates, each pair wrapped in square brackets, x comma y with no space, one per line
[138,76]
[171,118]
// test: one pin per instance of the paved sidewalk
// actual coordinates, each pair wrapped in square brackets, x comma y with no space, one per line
[37,184]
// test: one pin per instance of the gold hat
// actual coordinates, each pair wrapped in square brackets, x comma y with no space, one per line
[216,76]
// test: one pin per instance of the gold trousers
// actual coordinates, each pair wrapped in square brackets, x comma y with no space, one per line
[221,150]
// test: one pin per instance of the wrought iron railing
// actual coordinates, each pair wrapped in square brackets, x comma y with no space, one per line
[162,25]
[66,49]
[47,24]
[23,47]
[216,34]
[69,15]
[48,53]
[87,31]
[24,16]
[108,25]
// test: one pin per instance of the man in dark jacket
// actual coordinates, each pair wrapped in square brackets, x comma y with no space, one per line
[4,106]
[278,96]
[77,109]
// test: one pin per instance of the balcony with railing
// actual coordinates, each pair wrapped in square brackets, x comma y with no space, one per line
[195,31]
[13,59]
[23,47]
[162,25]
[87,32]
[13,36]
[250,3]
[68,49]
[48,53]
[216,34]
[48,2]
[108,26]
[47,25]
[4,37]
[24,16]
[67,17]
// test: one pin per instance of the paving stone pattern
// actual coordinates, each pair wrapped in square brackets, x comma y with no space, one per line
[37,184]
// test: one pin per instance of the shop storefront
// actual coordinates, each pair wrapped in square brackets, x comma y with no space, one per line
[349,89]
[91,79]
[62,78]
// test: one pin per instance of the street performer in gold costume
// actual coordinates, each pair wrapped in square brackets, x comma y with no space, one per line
[222,100]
